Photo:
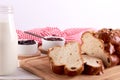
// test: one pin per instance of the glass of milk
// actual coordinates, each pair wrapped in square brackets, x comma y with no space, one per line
[8,41]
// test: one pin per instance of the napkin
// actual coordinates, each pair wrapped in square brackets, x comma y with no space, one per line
[69,34]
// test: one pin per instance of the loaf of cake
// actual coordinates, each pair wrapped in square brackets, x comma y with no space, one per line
[68,60]
[103,44]
[111,39]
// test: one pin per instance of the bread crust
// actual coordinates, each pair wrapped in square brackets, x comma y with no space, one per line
[57,69]
[107,60]
[92,65]
[62,69]
[74,72]
[90,70]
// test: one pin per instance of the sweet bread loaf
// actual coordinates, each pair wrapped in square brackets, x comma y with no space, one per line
[93,46]
[110,37]
[66,59]
[104,44]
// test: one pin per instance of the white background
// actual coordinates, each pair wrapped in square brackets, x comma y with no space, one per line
[66,13]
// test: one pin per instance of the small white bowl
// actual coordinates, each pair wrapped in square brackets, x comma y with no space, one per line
[27,50]
[46,44]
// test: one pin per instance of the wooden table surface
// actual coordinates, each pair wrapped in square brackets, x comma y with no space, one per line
[40,67]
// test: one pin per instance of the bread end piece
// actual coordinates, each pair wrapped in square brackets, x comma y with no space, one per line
[95,47]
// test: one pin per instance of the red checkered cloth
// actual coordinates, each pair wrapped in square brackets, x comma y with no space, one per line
[69,34]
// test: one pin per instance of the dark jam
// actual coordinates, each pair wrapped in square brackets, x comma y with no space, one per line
[26,42]
[53,39]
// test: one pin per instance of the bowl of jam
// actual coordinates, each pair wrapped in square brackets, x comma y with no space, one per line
[52,41]
[27,47]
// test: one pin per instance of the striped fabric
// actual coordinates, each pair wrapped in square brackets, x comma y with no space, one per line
[69,34]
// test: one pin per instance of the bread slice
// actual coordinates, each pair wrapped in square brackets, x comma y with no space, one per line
[66,59]
[92,65]
[93,46]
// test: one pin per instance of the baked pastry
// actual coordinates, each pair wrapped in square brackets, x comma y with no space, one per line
[103,44]
[66,59]
[93,46]
[92,65]
[110,36]
[111,39]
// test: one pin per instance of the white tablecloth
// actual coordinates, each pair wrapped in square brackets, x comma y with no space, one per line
[20,74]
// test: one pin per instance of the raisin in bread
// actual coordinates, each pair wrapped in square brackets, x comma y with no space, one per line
[92,65]
[93,46]
[66,59]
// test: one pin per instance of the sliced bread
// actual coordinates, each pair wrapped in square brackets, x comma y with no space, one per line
[93,46]
[66,59]
[92,65]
